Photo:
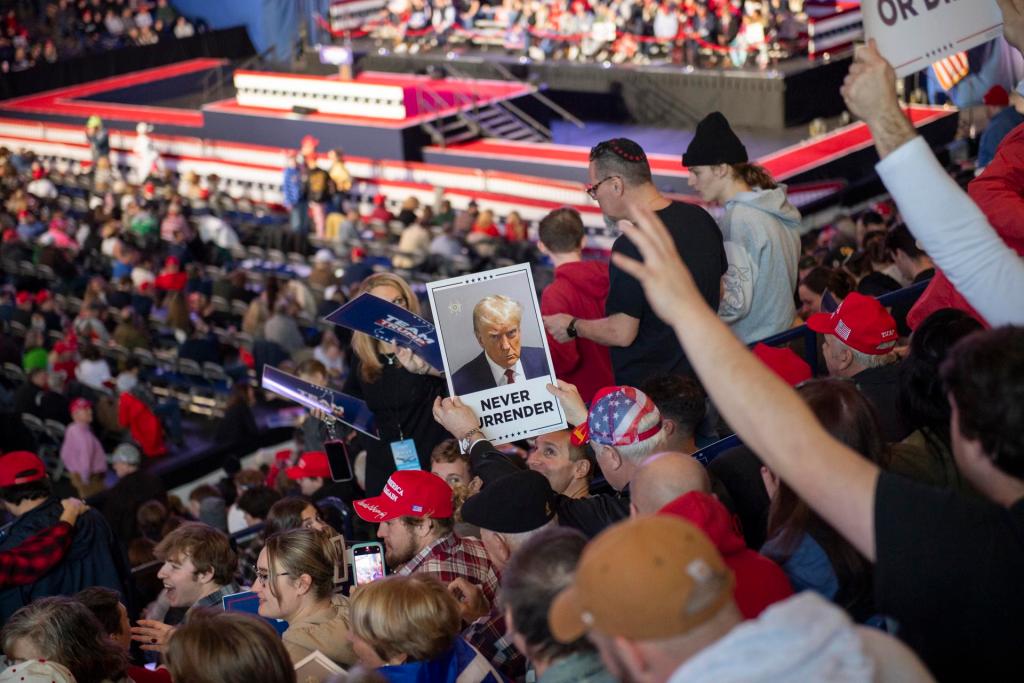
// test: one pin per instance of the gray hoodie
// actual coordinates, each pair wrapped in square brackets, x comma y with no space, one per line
[804,638]
[764,231]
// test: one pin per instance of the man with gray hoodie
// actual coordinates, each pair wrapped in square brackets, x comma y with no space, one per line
[760,227]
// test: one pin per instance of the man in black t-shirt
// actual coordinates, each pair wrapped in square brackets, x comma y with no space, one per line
[642,346]
[947,566]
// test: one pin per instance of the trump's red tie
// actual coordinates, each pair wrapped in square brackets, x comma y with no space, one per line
[510,376]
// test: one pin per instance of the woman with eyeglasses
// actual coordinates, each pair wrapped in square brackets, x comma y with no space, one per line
[295,575]
[398,387]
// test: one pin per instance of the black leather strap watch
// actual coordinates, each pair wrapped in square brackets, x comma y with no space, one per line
[571,329]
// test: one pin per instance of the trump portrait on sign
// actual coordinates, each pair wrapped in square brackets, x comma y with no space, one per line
[503,360]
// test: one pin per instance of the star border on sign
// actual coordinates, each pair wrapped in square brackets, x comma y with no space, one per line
[455,307]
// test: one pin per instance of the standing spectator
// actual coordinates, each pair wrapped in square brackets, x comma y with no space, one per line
[1006,113]
[317,187]
[759,223]
[81,452]
[683,405]
[415,514]
[133,488]
[398,387]
[99,140]
[27,494]
[641,344]
[134,414]
[579,290]
[146,157]
[568,467]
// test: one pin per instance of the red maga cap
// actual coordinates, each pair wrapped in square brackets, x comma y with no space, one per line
[408,493]
[861,323]
[20,467]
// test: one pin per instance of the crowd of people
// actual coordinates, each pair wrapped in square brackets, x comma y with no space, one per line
[865,526]
[709,33]
[55,30]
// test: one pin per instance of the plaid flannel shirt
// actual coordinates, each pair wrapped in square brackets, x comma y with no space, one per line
[36,555]
[489,635]
[450,557]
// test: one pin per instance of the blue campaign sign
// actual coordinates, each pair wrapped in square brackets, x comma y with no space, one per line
[344,408]
[390,323]
[249,602]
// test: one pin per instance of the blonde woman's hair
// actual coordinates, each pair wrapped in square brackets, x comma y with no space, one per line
[496,309]
[363,344]
[303,551]
[214,646]
[413,615]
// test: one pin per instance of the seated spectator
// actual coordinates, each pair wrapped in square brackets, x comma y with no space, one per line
[282,329]
[133,488]
[813,286]
[621,443]
[415,518]
[538,571]
[927,454]
[407,628]
[450,463]
[859,338]
[198,571]
[255,504]
[295,575]
[65,631]
[238,430]
[662,478]
[578,290]
[568,467]
[313,475]
[41,552]
[134,414]
[759,581]
[683,405]
[666,624]
[206,503]
[413,246]
[81,452]
[227,647]
[112,615]
[292,513]
[27,494]
[508,516]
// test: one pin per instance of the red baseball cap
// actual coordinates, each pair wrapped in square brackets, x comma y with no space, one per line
[23,297]
[997,96]
[81,403]
[408,493]
[20,467]
[785,363]
[309,141]
[311,464]
[861,323]
[42,296]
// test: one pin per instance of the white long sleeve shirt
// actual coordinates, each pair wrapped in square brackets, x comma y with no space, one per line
[955,233]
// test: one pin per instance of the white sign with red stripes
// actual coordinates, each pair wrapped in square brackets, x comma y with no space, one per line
[913,34]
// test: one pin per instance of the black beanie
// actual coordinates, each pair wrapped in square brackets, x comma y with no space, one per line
[714,143]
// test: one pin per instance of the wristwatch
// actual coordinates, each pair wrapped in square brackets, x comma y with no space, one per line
[465,443]
[571,329]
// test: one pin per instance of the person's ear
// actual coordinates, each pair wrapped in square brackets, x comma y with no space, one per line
[504,549]
[581,469]
[205,577]
[669,426]
[542,248]
[613,457]
[844,357]
[303,584]
[632,656]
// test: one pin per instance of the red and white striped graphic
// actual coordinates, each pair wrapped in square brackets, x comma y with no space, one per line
[951,70]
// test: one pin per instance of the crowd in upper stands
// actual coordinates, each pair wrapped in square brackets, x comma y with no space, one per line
[719,509]
[47,32]
[724,33]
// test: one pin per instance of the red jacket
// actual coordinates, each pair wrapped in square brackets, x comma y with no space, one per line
[143,424]
[999,193]
[759,581]
[579,289]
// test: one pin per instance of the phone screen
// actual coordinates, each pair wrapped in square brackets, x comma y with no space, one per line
[337,460]
[367,562]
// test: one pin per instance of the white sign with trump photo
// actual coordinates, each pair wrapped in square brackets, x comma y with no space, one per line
[495,352]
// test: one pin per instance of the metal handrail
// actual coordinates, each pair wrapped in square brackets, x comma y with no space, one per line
[529,120]
[540,96]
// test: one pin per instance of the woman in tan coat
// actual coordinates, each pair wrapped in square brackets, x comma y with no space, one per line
[295,582]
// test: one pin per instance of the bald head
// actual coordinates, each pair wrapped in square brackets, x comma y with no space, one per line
[664,477]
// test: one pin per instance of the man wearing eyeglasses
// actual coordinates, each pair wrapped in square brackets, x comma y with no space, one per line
[641,345]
